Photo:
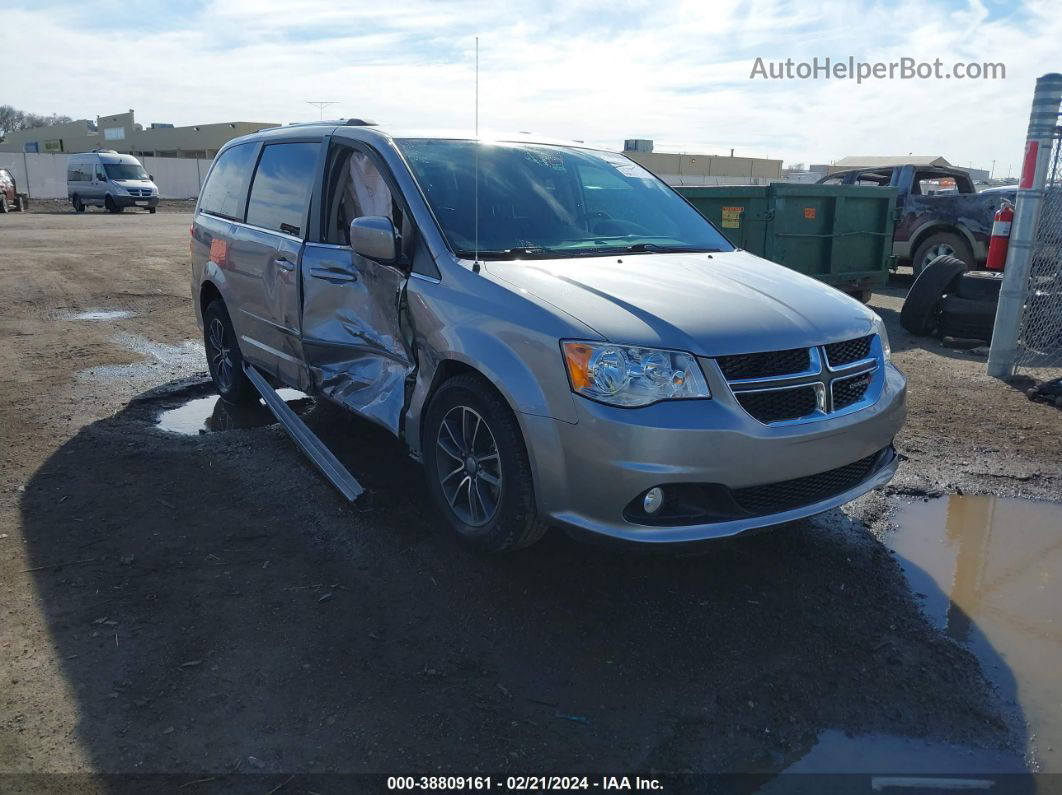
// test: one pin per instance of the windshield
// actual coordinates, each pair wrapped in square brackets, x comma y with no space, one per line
[125,171]
[540,201]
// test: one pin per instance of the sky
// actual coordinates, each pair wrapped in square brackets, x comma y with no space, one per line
[674,71]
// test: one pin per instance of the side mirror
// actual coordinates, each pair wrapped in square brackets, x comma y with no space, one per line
[374,237]
[151,177]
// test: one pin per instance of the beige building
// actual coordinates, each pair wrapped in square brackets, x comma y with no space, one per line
[677,168]
[121,133]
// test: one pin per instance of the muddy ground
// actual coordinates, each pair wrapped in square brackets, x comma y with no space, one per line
[207,604]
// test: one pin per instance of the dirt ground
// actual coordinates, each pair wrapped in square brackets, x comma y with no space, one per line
[207,604]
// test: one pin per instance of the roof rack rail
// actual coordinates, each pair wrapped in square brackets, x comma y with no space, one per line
[328,122]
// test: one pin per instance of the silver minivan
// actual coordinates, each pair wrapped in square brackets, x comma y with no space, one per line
[557,335]
[107,179]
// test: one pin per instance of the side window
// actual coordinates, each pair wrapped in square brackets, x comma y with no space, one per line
[359,189]
[226,188]
[281,189]
[101,175]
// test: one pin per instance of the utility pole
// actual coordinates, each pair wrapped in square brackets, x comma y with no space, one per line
[321,106]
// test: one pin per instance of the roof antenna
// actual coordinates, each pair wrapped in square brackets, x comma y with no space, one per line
[475,262]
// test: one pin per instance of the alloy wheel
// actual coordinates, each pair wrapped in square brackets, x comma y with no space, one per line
[220,355]
[469,467]
[939,250]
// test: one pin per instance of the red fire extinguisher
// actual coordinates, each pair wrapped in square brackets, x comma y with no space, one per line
[997,244]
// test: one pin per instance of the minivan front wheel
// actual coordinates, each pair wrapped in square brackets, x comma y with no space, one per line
[112,206]
[477,467]
[224,358]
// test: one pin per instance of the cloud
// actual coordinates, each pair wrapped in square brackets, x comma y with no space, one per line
[670,70]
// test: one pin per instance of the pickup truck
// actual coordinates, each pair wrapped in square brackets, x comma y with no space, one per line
[932,220]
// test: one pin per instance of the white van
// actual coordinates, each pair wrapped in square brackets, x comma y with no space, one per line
[107,179]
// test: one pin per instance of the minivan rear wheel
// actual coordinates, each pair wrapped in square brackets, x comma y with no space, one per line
[477,467]
[79,206]
[224,358]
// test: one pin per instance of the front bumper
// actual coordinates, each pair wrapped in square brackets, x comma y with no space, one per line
[135,201]
[586,474]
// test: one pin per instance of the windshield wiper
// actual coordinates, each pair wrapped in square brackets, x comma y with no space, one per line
[634,248]
[520,252]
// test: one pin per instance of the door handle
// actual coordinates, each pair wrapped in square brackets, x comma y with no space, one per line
[283,262]
[339,277]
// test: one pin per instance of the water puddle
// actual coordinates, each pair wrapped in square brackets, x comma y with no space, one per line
[211,413]
[97,314]
[988,572]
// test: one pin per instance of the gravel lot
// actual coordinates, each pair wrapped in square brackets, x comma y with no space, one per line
[207,604]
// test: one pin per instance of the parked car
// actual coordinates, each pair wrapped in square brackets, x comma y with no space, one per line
[10,198]
[556,334]
[107,179]
[940,212]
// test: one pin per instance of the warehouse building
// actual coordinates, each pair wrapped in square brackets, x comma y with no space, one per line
[678,168]
[121,133]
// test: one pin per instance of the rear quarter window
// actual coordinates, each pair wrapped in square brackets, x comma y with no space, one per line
[226,188]
[280,192]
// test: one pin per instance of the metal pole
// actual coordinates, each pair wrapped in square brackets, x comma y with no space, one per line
[1043,120]
[25,168]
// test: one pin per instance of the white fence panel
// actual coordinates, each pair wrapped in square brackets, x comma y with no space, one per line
[43,176]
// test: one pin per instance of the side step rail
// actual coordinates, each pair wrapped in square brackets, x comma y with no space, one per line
[314,448]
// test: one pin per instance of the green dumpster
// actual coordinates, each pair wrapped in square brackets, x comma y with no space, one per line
[839,234]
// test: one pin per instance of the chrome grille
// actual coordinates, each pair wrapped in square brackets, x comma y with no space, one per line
[779,404]
[800,384]
[840,353]
[850,390]
[764,365]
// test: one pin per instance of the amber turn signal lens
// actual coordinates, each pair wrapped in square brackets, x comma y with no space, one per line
[577,358]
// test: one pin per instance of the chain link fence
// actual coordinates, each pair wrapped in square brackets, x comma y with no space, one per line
[1040,329]
[1027,335]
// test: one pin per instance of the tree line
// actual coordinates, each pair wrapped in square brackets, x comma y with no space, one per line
[12,119]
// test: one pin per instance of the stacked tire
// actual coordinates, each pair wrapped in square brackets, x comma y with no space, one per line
[952,301]
[970,312]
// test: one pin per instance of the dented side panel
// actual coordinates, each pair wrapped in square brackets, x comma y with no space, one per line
[355,349]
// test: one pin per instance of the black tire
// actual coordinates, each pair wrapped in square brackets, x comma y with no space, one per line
[3,203]
[506,518]
[224,359]
[21,204]
[941,244]
[980,285]
[112,206]
[151,210]
[967,318]
[922,305]
[79,206]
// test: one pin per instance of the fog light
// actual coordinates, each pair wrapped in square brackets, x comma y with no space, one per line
[654,500]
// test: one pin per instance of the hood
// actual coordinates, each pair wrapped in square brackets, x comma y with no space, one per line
[134,183]
[711,305]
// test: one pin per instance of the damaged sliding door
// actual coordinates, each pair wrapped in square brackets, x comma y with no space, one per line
[352,332]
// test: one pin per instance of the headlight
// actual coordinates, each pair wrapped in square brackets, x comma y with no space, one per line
[622,375]
[883,335]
